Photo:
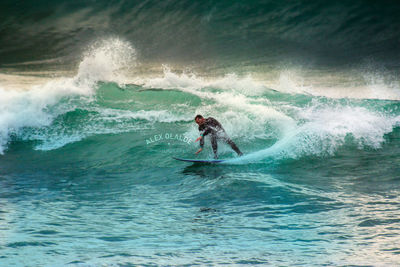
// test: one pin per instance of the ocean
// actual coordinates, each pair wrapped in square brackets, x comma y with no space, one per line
[97,97]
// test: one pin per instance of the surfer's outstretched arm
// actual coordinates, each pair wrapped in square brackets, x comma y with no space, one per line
[201,144]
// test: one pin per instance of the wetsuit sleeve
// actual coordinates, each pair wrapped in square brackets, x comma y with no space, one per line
[212,125]
[207,131]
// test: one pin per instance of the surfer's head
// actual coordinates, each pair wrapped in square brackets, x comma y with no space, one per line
[199,119]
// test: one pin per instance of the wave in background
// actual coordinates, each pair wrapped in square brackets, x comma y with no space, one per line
[290,121]
[207,33]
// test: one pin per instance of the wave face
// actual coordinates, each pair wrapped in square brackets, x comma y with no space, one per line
[288,122]
[190,31]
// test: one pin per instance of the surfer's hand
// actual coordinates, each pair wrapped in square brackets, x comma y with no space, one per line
[198,151]
[198,139]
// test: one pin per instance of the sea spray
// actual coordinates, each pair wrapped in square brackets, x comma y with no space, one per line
[106,60]
[38,106]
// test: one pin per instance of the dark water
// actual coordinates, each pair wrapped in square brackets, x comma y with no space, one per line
[96,97]
[253,32]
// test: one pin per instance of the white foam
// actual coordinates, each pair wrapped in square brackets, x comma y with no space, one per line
[32,108]
[148,115]
[337,84]
[102,121]
[190,82]
[40,104]
[242,112]
[319,129]
[322,129]
[236,101]
[290,82]
[106,60]
[379,88]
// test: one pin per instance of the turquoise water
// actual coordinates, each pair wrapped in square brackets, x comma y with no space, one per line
[91,115]
[318,183]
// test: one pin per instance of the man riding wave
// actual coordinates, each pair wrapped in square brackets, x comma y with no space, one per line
[214,128]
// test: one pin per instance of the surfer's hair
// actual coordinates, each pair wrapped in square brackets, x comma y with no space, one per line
[198,117]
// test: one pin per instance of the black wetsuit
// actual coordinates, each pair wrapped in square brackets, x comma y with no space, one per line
[214,128]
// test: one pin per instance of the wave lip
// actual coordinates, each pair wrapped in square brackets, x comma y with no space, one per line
[325,129]
[302,123]
[38,106]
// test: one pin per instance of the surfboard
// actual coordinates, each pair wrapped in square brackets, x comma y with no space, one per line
[201,160]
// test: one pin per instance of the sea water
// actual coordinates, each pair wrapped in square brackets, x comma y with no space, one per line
[97,97]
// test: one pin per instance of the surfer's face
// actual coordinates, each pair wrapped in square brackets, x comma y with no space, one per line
[200,121]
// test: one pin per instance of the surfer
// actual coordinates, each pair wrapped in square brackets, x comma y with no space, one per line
[214,128]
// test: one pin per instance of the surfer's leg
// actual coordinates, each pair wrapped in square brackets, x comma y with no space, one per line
[214,144]
[233,145]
